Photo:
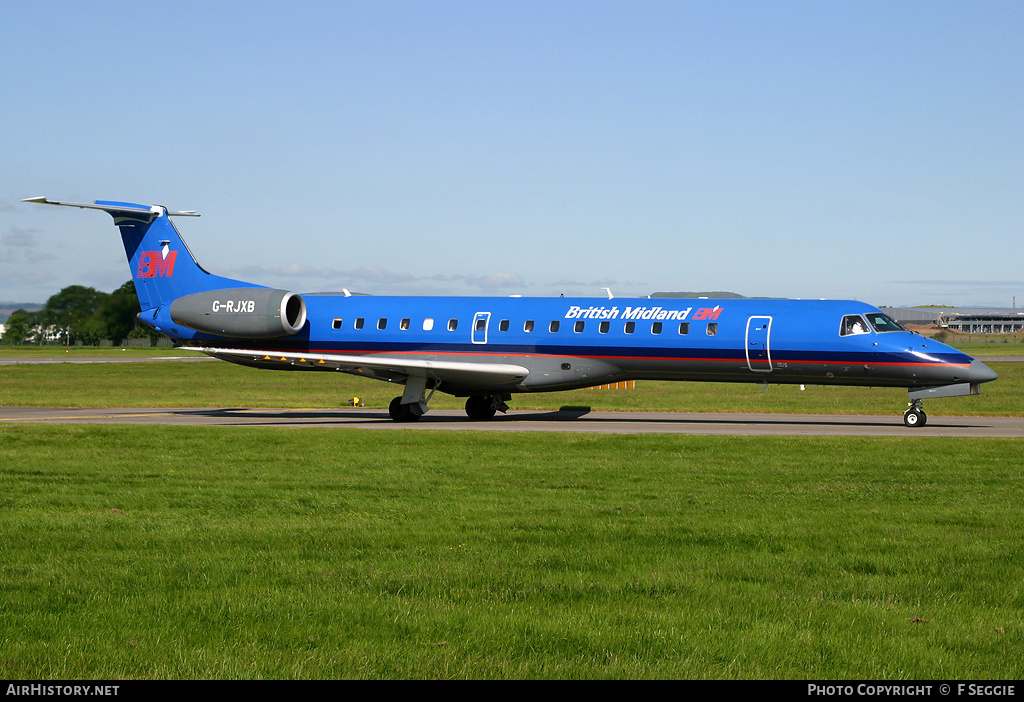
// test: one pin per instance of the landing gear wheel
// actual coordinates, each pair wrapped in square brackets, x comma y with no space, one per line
[480,407]
[400,412]
[915,418]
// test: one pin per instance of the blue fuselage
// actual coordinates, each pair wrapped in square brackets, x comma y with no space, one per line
[578,342]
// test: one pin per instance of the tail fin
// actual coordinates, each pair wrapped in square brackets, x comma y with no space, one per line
[162,266]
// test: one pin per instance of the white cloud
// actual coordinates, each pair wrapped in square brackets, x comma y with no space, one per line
[19,276]
[36,256]
[384,281]
[16,236]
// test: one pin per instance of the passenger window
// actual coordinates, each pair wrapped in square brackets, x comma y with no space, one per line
[503,325]
[359,323]
[528,327]
[853,324]
[337,323]
[453,324]
[712,328]
[656,328]
[405,323]
[604,327]
[630,327]
[428,324]
[684,328]
[578,327]
[481,324]
[553,327]
[382,323]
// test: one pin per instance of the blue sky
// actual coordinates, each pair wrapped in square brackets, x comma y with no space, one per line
[866,150]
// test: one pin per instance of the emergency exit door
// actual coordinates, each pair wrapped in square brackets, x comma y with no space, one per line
[480,323]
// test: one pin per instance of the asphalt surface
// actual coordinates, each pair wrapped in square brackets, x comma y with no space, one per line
[32,361]
[526,421]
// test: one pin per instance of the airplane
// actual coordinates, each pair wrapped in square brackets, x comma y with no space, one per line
[487,349]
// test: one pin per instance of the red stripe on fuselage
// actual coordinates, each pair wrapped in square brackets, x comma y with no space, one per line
[631,358]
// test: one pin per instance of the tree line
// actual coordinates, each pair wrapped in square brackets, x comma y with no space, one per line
[80,314]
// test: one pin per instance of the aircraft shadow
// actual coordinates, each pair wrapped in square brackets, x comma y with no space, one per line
[245,415]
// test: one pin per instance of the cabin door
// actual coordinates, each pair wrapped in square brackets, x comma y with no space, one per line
[480,322]
[759,355]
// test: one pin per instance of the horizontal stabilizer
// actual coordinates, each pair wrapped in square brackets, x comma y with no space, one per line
[114,208]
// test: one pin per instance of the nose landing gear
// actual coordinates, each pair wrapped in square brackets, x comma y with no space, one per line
[915,416]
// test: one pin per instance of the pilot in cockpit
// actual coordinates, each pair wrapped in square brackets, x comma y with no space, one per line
[854,325]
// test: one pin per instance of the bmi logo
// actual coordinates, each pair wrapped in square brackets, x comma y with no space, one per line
[154,264]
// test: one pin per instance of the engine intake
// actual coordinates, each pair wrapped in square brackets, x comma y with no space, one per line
[247,313]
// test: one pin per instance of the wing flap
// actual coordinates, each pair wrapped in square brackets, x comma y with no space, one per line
[457,372]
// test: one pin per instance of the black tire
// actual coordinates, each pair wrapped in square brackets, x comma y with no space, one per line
[479,407]
[400,412]
[915,418]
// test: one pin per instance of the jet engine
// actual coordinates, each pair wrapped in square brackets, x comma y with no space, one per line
[246,313]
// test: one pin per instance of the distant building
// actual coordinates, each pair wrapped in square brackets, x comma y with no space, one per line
[966,320]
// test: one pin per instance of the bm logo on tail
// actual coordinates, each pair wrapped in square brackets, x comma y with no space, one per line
[154,264]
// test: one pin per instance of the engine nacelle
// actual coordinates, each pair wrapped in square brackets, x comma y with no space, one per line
[247,313]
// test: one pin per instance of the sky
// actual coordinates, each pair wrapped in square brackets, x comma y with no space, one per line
[859,149]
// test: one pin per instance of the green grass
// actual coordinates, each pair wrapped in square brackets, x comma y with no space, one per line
[988,344]
[172,552]
[219,384]
[186,552]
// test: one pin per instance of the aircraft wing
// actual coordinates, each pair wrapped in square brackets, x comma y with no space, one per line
[382,367]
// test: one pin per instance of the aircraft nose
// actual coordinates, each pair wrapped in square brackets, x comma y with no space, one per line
[980,373]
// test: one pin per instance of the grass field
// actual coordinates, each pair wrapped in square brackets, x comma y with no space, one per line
[169,552]
[229,552]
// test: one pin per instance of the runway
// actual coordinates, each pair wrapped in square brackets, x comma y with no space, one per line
[33,361]
[527,421]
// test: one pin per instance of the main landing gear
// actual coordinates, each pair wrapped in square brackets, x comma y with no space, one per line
[404,413]
[413,405]
[915,416]
[485,406]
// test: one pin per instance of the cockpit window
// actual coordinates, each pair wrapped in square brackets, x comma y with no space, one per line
[884,323]
[853,324]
